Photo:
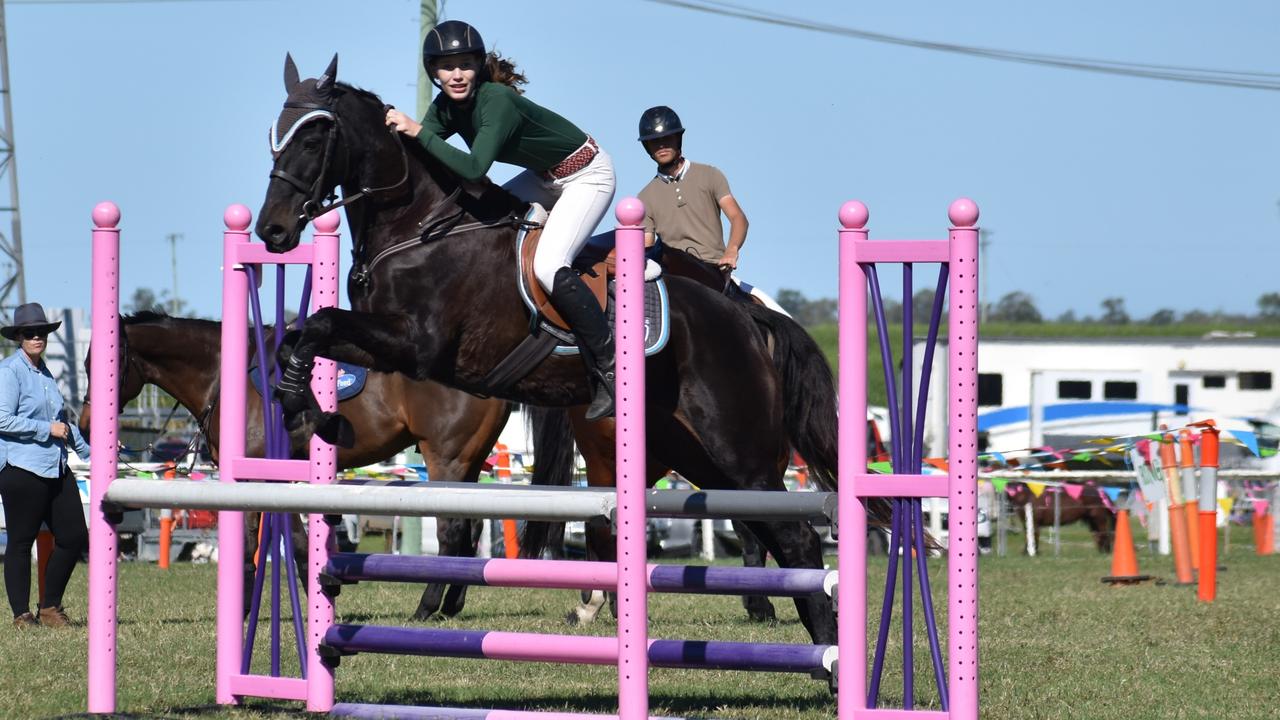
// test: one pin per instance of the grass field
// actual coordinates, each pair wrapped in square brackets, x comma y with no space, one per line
[1055,643]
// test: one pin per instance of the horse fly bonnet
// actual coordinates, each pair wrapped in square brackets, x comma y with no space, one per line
[308,100]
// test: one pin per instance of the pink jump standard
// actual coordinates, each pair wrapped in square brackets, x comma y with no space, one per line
[858,255]
[316,688]
[104,396]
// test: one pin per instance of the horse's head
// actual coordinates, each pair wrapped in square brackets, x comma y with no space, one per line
[305,144]
[131,379]
[328,134]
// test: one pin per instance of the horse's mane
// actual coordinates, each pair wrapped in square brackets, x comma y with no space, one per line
[146,316]
[490,198]
[160,317]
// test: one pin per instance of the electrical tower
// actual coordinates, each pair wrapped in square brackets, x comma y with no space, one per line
[13,286]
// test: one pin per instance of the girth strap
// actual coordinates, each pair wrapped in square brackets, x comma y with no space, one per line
[531,351]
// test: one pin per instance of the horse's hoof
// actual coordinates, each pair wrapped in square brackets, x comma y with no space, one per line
[335,429]
[571,619]
[769,618]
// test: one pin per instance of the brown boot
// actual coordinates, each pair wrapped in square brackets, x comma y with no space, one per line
[54,617]
[24,621]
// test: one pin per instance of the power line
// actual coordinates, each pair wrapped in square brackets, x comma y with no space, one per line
[1250,80]
[113,2]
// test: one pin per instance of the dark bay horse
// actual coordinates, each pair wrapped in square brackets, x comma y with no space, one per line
[454,431]
[1088,509]
[724,409]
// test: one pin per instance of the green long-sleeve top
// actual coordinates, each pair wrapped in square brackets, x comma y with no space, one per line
[498,124]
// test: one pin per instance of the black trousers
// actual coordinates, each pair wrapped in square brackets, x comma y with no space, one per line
[30,500]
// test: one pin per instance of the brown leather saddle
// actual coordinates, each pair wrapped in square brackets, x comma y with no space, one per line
[593,264]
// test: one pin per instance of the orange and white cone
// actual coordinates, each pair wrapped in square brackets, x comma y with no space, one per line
[1124,562]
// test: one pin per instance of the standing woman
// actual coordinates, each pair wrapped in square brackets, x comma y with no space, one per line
[35,484]
[565,171]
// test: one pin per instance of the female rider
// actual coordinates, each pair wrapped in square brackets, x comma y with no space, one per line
[564,170]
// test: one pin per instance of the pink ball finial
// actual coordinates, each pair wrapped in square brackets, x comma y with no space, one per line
[106,215]
[237,217]
[630,211]
[963,213]
[854,215]
[328,223]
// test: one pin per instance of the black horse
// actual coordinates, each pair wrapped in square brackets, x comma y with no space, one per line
[434,292]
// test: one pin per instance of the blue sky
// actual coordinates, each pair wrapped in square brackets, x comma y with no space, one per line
[1095,186]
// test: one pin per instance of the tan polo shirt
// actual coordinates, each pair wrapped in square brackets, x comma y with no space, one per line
[685,209]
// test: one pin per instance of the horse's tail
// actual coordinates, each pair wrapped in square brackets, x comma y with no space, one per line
[553,465]
[809,400]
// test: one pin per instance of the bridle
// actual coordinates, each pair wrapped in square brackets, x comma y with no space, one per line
[316,205]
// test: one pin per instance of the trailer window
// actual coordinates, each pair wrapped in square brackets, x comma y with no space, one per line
[1215,381]
[1120,390]
[990,389]
[1075,390]
[1255,380]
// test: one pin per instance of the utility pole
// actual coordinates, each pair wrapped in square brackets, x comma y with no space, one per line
[11,244]
[173,256]
[984,301]
[427,21]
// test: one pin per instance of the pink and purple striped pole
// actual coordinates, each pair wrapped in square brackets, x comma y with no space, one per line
[104,401]
[962,498]
[231,417]
[324,469]
[852,551]
[633,601]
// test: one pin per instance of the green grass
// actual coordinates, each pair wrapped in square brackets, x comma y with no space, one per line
[1055,643]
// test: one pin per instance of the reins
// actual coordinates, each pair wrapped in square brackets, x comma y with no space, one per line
[314,207]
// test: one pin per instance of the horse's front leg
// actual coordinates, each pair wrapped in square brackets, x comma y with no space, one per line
[380,342]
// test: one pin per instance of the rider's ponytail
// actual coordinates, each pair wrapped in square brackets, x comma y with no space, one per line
[503,70]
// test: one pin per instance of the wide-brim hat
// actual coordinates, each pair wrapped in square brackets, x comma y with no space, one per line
[29,317]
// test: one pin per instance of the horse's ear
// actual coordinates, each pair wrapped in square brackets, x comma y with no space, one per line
[325,81]
[290,73]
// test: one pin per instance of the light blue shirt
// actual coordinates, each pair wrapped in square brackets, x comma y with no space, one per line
[29,403]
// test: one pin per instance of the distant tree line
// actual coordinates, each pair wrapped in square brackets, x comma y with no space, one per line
[1020,307]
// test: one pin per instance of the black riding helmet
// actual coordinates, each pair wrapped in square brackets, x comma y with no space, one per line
[452,37]
[659,121]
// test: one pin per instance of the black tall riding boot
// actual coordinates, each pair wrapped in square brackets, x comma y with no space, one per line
[573,300]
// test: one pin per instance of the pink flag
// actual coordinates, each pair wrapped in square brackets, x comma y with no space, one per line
[1075,491]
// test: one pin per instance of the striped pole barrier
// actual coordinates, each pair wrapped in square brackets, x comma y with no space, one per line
[1177,517]
[1190,505]
[1208,588]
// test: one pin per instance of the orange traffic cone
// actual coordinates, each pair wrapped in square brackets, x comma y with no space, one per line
[1124,563]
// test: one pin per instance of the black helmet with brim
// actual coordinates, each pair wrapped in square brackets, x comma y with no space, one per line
[452,37]
[659,121]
